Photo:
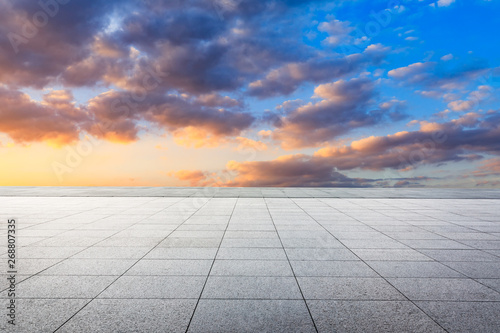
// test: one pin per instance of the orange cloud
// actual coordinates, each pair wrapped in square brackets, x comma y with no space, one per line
[55,120]
[194,177]
[246,143]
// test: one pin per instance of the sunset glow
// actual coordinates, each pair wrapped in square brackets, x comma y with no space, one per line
[249,93]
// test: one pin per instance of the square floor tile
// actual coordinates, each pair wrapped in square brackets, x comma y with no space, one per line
[370,316]
[155,287]
[348,288]
[41,286]
[90,267]
[138,315]
[251,253]
[182,253]
[429,289]
[254,287]
[332,268]
[412,269]
[479,270]
[171,267]
[42,315]
[251,268]
[466,317]
[273,316]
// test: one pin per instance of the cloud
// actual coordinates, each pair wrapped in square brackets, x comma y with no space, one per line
[439,76]
[286,79]
[463,139]
[246,143]
[489,167]
[338,31]
[216,100]
[35,54]
[412,182]
[291,170]
[444,3]
[117,115]
[194,177]
[344,106]
[55,120]
[117,42]
[482,93]
[447,57]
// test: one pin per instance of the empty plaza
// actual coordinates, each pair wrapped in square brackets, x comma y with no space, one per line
[252,260]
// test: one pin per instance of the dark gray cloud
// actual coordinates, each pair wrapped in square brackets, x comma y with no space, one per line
[37,44]
[287,78]
[117,116]
[344,106]
[467,138]
[440,75]
[293,170]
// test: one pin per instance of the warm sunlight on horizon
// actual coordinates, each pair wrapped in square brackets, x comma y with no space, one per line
[238,93]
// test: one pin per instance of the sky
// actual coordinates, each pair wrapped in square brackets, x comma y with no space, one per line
[244,93]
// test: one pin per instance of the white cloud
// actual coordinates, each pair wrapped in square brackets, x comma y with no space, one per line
[447,57]
[445,3]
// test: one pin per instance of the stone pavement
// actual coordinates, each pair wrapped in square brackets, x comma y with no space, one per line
[252,260]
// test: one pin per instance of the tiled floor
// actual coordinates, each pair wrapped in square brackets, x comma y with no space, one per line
[248,263]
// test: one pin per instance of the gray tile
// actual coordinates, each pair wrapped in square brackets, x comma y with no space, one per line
[251,268]
[332,268]
[494,252]
[4,283]
[137,315]
[133,234]
[320,254]
[182,253]
[483,245]
[412,269]
[127,242]
[34,266]
[251,234]
[42,315]
[253,264]
[190,242]
[434,244]
[157,287]
[41,286]
[370,316]
[97,252]
[466,317]
[459,255]
[276,316]
[198,227]
[59,241]
[251,253]
[323,242]
[255,287]
[492,283]
[171,267]
[197,234]
[45,252]
[348,288]
[90,267]
[250,226]
[373,244]
[391,254]
[469,236]
[250,242]
[488,270]
[440,289]
[414,235]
